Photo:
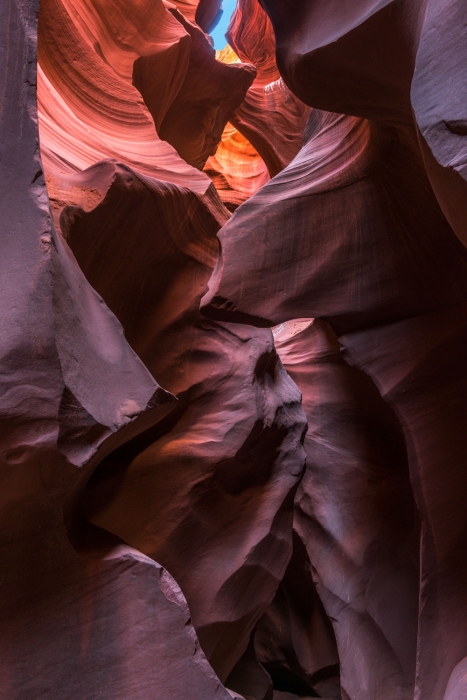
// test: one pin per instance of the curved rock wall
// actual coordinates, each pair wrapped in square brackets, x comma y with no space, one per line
[356,232]
[194,505]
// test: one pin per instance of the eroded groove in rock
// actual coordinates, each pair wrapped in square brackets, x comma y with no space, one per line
[294,639]
[356,515]
[237,440]
[89,111]
[270,117]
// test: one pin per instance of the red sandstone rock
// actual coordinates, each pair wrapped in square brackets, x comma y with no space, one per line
[427,393]
[335,184]
[354,60]
[356,515]
[107,622]
[188,8]
[358,237]
[97,455]
[273,120]
[250,678]
[235,436]
[206,13]
[205,101]
[148,245]
[295,635]
[201,12]
[114,625]
[251,36]
[237,170]
[351,232]
[438,95]
[87,115]
[379,59]
[270,117]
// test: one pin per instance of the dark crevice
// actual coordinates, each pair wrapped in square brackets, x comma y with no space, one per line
[457,126]
[106,479]
[285,680]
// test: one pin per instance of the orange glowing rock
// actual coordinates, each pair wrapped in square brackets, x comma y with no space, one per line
[271,117]
[206,99]
[266,130]
[237,170]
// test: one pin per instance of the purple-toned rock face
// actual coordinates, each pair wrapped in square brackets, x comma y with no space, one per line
[356,516]
[193,505]
[73,624]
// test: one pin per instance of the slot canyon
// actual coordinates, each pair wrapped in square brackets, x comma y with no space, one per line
[233,396]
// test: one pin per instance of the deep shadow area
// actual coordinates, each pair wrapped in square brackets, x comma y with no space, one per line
[289,682]
[110,472]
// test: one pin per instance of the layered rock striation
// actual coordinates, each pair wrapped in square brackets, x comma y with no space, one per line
[131,235]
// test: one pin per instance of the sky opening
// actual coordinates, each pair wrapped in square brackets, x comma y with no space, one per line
[218,33]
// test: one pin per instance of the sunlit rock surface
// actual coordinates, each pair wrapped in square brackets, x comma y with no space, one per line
[270,116]
[236,169]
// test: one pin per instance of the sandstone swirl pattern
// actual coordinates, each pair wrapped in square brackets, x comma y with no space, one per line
[233,384]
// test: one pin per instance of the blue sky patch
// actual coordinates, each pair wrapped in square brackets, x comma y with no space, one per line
[218,33]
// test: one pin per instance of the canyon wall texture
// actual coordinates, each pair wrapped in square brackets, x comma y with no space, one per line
[233,380]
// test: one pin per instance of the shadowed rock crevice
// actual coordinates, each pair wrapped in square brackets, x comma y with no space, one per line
[294,640]
[289,682]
